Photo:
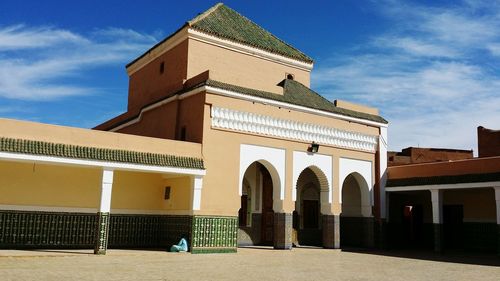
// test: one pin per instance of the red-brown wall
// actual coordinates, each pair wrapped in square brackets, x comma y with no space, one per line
[488,142]
[147,84]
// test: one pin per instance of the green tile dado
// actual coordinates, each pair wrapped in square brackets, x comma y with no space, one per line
[20,229]
[212,234]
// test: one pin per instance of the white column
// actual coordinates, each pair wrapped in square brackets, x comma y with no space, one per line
[437,206]
[197,185]
[382,146]
[497,200]
[106,189]
[437,218]
[103,212]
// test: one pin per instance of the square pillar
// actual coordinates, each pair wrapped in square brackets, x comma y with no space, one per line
[331,231]
[283,231]
[497,201]
[437,218]
[196,185]
[103,213]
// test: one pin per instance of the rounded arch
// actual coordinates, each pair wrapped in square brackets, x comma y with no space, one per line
[273,159]
[355,196]
[363,170]
[323,185]
[321,165]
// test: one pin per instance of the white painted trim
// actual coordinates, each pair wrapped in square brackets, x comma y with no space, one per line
[233,94]
[437,205]
[156,105]
[274,159]
[242,121]
[47,209]
[497,202]
[197,185]
[150,212]
[348,166]
[30,208]
[303,160]
[382,164]
[215,90]
[106,190]
[443,186]
[248,50]
[157,51]
[94,163]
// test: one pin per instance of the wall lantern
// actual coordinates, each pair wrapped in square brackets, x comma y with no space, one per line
[313,147]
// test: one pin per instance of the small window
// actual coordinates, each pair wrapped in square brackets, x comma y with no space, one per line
[162,67]
[183,133]
[167,193]
[290,76]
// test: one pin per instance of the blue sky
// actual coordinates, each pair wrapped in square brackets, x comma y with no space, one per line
[431,67]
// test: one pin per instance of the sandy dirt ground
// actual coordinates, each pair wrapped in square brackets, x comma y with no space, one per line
[247,264]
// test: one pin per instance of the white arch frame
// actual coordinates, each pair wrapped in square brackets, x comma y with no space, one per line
[362,171]
[273,159]
[303,160]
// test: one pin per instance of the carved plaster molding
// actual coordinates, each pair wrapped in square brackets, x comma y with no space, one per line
[229,119]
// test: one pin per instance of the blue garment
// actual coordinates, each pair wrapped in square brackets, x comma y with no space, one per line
[182,246]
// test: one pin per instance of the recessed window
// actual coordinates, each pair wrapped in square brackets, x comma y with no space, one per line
[183,133]
[290,76]
[162,67]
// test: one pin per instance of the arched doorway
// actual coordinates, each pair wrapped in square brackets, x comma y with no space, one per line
[256,214]
[356,222]
[312,196]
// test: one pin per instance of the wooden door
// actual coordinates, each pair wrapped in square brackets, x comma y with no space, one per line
[310,213]
[267,228]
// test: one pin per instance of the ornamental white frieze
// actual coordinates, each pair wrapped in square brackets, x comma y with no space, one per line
[229,119]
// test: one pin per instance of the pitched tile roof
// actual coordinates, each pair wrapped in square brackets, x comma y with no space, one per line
[436,180]
[95,153]
[294,93]
[298,94]
[226,23]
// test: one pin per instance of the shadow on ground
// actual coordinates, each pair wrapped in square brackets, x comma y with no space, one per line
[448,256]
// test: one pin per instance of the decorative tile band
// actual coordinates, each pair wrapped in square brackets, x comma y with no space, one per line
[230,119]
[19,229]
[148,231]
[102,233]
[214,234]
[51,230]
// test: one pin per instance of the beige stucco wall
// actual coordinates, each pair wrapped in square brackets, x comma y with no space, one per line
[145,191]
[221,153]
[48,185]
[240,69]
[479,204]
[33,184]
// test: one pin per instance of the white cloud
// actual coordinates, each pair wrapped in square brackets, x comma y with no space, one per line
[433,75]
[26,74]
[17,37]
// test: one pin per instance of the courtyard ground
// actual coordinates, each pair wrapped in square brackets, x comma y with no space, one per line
[247,264]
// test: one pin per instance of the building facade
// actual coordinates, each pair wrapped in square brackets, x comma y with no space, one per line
[447,205]
[223,143]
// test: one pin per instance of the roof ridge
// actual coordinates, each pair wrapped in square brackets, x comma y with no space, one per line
[206,13]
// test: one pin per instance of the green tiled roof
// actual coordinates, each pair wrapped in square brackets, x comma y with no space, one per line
[467,178]
[224,22]
[95,153]
[298,94]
